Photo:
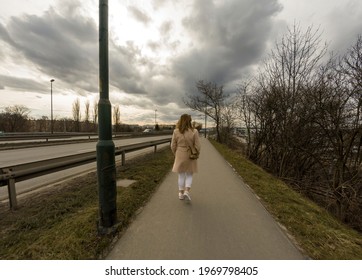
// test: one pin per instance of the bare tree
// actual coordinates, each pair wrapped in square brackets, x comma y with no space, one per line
[210,99]
[280,106]
[42,123]
[77,116]
[116,117]
[306,120]
[15,119]
[246,109]
[95,114]
[338,102]
[86,115]
[228,122]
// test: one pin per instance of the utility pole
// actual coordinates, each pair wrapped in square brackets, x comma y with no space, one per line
[106,167]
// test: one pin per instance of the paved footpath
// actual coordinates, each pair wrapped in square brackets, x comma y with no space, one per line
[224,221]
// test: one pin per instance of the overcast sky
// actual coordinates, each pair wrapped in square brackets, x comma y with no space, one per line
[158,49]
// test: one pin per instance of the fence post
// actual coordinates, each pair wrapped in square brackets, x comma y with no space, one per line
[123,158]
[155,150]
[12,194]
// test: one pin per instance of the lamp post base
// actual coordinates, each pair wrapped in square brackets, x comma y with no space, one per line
[107,185]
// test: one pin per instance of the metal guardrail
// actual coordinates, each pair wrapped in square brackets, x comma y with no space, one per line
[11,174]
[46,137]
[43,136]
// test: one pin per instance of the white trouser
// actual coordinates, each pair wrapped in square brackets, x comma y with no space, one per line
[184,180]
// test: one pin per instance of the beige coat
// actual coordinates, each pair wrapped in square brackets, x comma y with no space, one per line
[180,148]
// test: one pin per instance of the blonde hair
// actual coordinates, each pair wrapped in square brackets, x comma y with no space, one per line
[184,123]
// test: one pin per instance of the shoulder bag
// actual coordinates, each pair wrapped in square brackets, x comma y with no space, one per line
[193,152]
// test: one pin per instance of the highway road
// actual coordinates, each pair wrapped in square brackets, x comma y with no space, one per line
[18,156]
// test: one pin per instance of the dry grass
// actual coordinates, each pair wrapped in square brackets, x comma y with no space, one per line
[61,223]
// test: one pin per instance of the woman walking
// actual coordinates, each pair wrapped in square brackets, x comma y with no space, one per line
[184,138]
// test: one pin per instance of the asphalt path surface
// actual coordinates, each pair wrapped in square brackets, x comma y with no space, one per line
[18,156]
[223,221]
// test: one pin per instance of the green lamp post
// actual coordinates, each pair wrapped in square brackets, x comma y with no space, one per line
[106,168]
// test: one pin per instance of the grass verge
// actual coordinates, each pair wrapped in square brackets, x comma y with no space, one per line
[317,232]
[61,223]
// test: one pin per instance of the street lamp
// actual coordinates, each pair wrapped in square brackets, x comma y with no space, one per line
[155,117]
[106,165]
[51,104]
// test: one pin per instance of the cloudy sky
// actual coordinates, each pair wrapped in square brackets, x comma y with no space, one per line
[158,49]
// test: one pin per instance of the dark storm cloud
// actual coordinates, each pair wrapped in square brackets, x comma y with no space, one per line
[60,46]
[64,44]
[228,37]
[123,72]
[22,84]
[4,35]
